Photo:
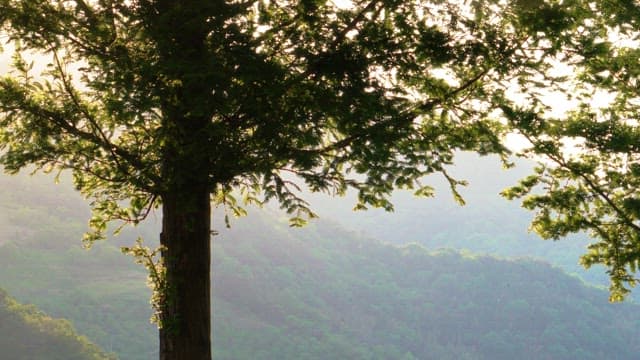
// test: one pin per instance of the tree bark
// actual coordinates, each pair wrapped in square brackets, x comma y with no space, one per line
[186,81]
[186,313]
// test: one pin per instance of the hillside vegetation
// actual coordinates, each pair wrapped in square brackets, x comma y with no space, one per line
[324,293]
[26,333]
[101,291]
[314,293]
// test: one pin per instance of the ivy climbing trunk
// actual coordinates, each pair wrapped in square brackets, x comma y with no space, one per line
[186,310]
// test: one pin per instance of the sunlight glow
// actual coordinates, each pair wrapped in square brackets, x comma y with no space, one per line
[342,4]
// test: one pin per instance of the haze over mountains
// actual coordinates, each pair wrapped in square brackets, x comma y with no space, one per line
[333,289]
[487,224]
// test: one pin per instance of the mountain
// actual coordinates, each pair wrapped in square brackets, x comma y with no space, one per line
[320,292]
[101,291]
[26,333]
[486,224]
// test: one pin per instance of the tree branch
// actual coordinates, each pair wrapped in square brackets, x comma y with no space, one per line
[589,182]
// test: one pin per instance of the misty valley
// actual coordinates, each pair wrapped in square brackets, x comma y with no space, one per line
[424,282]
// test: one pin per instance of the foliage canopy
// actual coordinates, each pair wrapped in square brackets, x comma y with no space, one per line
[179,104]
[589,174]
[372,96]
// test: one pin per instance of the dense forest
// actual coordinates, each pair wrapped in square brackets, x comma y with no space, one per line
[27,333]
[313,293]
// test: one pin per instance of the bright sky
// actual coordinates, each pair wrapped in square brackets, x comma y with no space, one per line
[343,4]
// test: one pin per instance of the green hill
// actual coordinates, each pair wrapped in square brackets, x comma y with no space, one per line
[101,291]
[320,292]
[28,334]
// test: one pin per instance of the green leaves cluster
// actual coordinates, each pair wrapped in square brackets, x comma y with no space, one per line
[371,97]
[588,180]
[157,280]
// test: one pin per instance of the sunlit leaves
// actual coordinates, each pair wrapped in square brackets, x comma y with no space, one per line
[589,181]
[253,101]
[152,261]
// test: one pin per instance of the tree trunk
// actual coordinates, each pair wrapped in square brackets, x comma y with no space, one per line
[186,313]
[186,81]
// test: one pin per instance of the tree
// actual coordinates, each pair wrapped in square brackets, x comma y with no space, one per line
[187,104]
[588,179]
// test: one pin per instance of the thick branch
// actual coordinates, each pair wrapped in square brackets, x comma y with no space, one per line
[58,119]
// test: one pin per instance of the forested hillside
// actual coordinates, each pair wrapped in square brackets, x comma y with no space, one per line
[313,293]
[101,291]
[282,293]
[26,333]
